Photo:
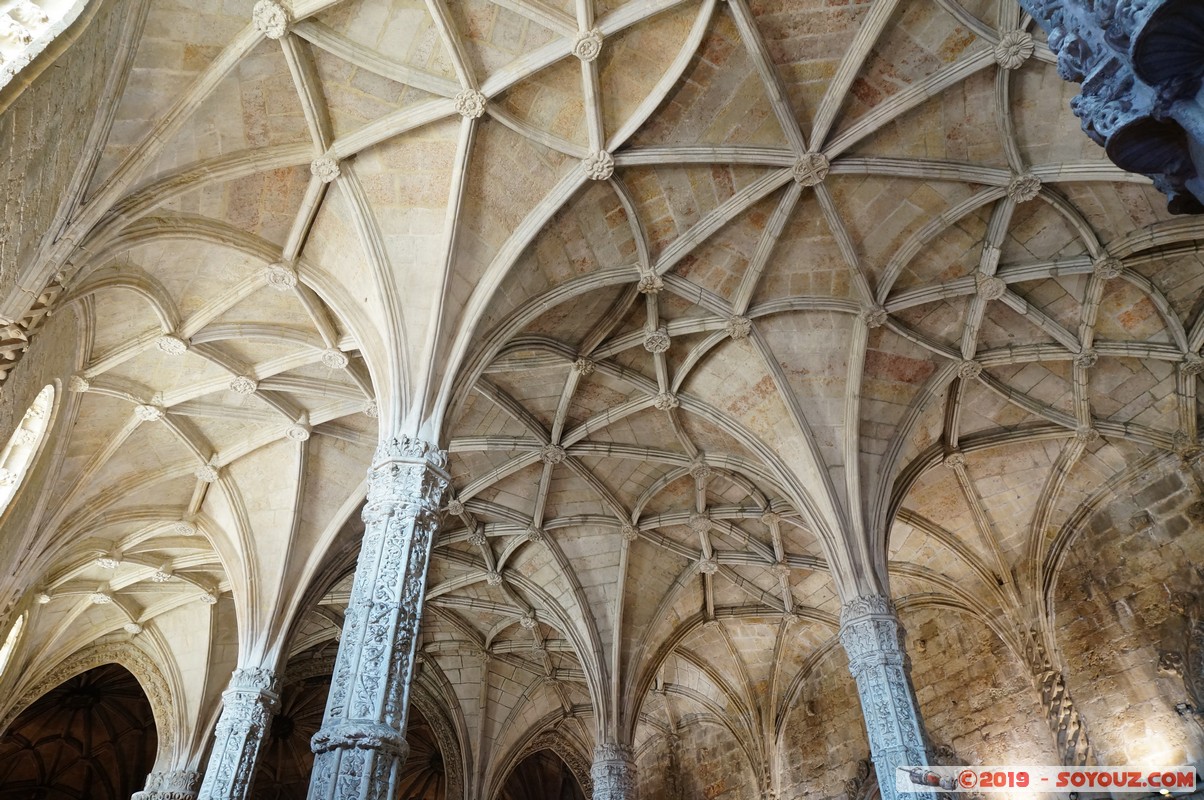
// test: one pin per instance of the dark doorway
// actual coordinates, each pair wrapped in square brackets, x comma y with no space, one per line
[542,776]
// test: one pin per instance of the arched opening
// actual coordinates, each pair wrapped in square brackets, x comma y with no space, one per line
[10,643]
[92,736]
[542,776]
[18,454]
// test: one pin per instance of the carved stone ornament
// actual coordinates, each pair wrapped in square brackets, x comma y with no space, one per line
[78,384]
[656,341]
[361,743]
[371,410]
[599,165]
[251,698]
[874,317]
[699,522]
[470,104]
[650,283]
[493,578]
[770,518]
[872,639]
[969,370]
[1108,267]
[280,276]
[1014,49]
[100,598]
[109,561]
[1192,364]
[1024,188]
[172,345]
[477,538]
[271,19]
[242,384]
[42,598]
[613,772]
[183,528]
[954,459]
[666,401]
[700,470]
[132,628]
[455,507]
[534,535]
[708,566]
[528,621]
[738,327]
[1086,434]
[170,785]
[588,45]
[584,367]
[208,598]
[334,359]
[298,432]
[325,168]
[14,31]
[990,287]
[1086,359]
[148,413]
[206,473]
[29,14]
[629,532]
[811,169]
[552,454]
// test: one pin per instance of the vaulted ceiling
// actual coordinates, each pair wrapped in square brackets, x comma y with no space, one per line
[723,309]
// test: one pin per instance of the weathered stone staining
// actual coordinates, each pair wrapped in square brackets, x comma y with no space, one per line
[1140,66]
[361,743]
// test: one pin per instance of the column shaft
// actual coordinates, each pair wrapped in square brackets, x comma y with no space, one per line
[253,696]
[613,772]
[361,745]
[170,785]
[872,638]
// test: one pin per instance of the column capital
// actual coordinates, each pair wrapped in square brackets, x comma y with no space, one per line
[170,785]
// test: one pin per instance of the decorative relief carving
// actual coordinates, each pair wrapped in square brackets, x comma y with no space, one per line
[656,341]
[242,384]
[78,384]
[738,327]
[613,772]
[1014,48]
[206,473]
[325,168]
[1060,712]
[1108,267]
[334,359]
[552,454]
[989,287]
[172,345]
[969,370]
[588,45]
[629,532]
[271,19]
[1192,364]
[470,104]
[361,741]
[874,317]
[298,432]
[599,165]
[248,704]
[708,566]
[584,367]
[666,401]
[811,169]
[1086,359]
[1024,188]
[650,283]
[148,413]
[170,785]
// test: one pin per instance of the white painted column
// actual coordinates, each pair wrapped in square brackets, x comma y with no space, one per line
[361,745]
[178,784]
[613,772]
[249,702]
[872,638]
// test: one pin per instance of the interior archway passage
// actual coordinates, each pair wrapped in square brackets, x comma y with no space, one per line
[90,738]
[542,776]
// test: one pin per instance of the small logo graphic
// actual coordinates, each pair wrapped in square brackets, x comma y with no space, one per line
[967,779]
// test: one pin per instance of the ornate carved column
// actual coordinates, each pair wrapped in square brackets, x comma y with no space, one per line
[253,696]
[361,744]
[872,638]
[1140,66]
[613,772]
[170,785]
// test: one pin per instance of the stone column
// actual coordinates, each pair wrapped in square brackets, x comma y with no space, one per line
[253,696]
[872,638]
[613,772]
[361,745]
[170,785]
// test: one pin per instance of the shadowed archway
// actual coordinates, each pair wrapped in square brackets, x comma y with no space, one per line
[91,738]
[542,776]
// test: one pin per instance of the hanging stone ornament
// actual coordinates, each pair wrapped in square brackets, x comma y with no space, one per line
[1108,267]
[109,561]
[534,535]
[599,165]
[477,538]
[666,401]
[359,750]
[656,341]
[1014,48]
[455,507]
[371,410]
[954,459]
[969,370]
[148,413]
[699,522]
[528,621]
[700,470]
[325,168]
[738,327]
[989,287]
[873,642]
[280,276]
[811,169]
[1192,364]
[470,104]
[42,598]
[298,432]
[493,578]
[588,45]
[708,566]
[78,384]
[334,359]
[133,629]
[874,317]
[208,598]
[552,454]
[172,345]
[650,283]
[247,707]
[584,367]
[1086,359]
[170,785]
[629,532]
[100,598]
[1024,187]
[613,772]
[242,384]
[271,19]
[183,528]
[206,473]
[1086,434]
